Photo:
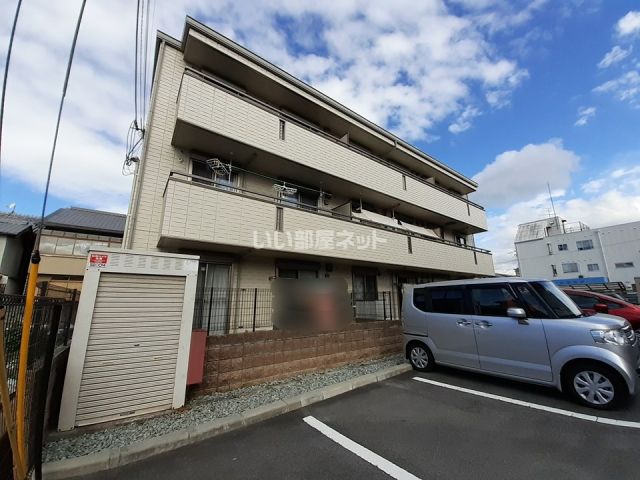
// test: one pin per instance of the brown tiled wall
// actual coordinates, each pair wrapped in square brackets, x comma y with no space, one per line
[244,359]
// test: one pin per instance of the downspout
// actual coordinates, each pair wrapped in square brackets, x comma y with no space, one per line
[134,200]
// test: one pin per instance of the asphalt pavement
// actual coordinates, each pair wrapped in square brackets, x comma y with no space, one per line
[421,429]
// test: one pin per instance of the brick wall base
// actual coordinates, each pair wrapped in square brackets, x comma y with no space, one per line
[245,359]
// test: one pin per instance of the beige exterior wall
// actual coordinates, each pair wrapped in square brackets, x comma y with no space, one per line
[185,211]
[207,106]
[159,157]
[204,214]
[62,265]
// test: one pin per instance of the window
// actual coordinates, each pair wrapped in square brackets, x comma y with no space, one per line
[421,299]
[279,219]
[492,301]
[554,270]
[571,267]
[549,249]
[624,265]
[584,244]
[563,247]
[556,299]
[593,267]
[281,129]
[294,273]
[81,247]
[404,182]
[365,286]
[583,301]
[64,246]
[201,169]
[48,244]
[409,247]
[461,240]
[534,307]
[447,300]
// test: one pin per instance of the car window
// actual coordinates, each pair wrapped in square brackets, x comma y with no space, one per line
[447,300]
[532,304]
[421,298]
[557,300]
[493,301]
[614,306]
[583,301]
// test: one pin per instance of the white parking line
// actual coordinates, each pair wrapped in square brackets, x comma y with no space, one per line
[535,406]
[373,458]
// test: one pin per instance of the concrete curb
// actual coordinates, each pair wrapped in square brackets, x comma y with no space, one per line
[116,457]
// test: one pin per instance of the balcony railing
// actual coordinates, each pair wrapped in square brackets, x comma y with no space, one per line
[234,190]
[198,100]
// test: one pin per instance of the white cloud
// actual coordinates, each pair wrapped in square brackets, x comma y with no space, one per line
[410,66]
[615,55]
[625,88]
[611,198]
[463,122]
[584,115]
[519,175]
[593,186]
[629,24]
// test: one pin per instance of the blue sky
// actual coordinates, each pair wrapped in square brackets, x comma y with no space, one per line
[514,94]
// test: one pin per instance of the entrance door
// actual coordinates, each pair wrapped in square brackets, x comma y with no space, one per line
[212,306]
[507,345]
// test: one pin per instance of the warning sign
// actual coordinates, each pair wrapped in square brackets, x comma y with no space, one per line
[98,260]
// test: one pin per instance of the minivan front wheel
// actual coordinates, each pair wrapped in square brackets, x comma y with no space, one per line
[595,385]
[420,357]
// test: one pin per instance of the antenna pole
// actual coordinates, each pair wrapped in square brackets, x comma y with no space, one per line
[553,207]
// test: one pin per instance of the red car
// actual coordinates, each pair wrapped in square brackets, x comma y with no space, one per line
[591,303]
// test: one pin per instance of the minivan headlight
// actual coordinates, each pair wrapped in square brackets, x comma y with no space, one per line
[614,337]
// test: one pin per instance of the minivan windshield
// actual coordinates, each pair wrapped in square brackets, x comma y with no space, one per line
[557,300]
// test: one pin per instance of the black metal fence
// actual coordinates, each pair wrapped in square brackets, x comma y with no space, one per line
[51,331]
[382,307]
[220,311]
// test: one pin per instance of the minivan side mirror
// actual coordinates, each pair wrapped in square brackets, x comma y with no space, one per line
[601,308]
[518,313]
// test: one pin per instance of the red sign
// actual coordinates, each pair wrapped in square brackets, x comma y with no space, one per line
[98,260]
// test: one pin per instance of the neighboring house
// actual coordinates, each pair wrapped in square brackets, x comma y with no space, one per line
[67,236]
[575,253]
[264,177]
[16,242]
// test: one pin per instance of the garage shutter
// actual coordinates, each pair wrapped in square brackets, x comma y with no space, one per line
[132,349]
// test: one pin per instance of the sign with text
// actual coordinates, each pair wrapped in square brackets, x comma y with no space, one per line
[98,260]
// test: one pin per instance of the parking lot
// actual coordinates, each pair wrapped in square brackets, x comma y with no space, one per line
[459,426]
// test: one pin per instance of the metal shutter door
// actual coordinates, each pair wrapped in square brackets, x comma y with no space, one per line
[132,350]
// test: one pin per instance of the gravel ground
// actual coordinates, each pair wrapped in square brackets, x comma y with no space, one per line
[206,408]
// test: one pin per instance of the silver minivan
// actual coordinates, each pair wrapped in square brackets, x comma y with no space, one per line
[527,330]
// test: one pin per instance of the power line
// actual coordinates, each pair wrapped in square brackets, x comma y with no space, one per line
[33,271]
[6,74]
[64,93]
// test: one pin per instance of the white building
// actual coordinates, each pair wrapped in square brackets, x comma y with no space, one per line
[575,253]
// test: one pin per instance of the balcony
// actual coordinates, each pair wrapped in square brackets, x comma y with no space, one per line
[203,214]
[209,112]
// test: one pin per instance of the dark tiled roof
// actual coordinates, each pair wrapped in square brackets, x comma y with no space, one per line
[86,220]
[12,224]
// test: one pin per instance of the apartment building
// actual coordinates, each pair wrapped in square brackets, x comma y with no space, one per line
[264,177]
[574,253]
